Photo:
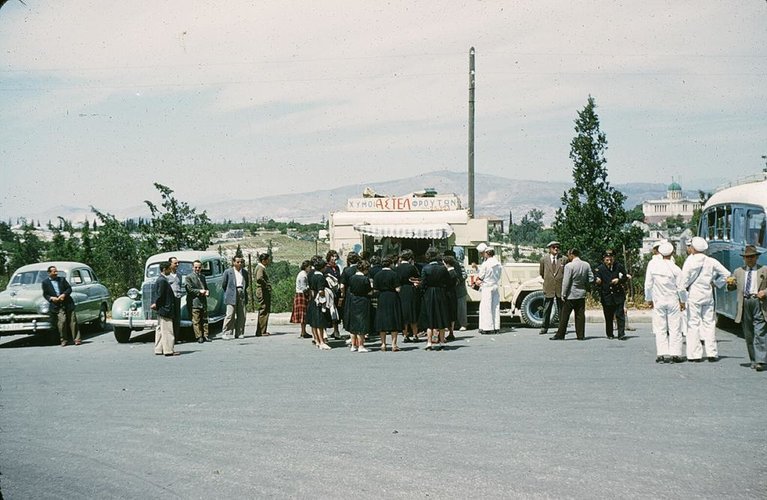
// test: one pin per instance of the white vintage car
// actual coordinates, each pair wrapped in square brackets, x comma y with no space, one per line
[23,308]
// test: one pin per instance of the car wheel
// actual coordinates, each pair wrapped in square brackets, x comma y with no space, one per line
[99,324]
[532,309]
[122,334]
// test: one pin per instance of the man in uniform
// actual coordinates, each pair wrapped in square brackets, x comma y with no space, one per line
[662,295]
[610,278]
[699,272]
[489,277]
[750,283]
[551,269]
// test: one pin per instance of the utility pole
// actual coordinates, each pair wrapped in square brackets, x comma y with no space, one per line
[471,132]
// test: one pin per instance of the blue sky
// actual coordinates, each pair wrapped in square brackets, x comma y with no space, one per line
[243,99]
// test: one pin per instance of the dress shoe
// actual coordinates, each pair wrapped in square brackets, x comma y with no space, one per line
[759,367]
[450,338]
[677,359]
[611,337]
[201,340]
[556,338]
[622,337]
[713,359]
[659,359]
[697,360]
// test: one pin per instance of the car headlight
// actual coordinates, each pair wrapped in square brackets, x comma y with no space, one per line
[44,307]
[133,294]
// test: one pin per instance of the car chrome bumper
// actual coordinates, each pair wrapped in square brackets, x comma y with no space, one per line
[27,326]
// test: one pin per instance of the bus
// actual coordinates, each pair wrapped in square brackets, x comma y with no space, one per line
[731,219]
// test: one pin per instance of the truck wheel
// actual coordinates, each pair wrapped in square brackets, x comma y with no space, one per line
[122,334]
[532,309]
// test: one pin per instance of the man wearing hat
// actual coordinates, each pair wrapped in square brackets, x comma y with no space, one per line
[655,253]
[577,276]
[750,283]
[552,269]
[699,272]
[610,278]
[662,295]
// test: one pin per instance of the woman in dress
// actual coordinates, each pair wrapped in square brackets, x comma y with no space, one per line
[388,318]
[435,279]
[358,307]
[333,270]
[318,312]
[408,295]
[352,259]
[450,293]
[302,297]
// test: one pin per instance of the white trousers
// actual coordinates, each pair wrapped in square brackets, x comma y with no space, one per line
[667,327]
[701,325]
[490,309]
[163,336]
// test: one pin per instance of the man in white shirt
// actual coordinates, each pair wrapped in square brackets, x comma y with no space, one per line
[489,277]
[699,272]
[662,295]
[750,283]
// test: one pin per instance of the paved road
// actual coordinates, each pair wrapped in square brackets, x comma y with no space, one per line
[510,415]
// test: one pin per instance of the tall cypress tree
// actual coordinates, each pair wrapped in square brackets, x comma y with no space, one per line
[592,217]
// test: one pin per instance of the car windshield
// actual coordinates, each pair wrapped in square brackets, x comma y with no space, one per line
[32,277]
[153,270]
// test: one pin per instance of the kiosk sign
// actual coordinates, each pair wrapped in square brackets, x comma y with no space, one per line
[404,204]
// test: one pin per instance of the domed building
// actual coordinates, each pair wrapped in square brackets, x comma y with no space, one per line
[674,204]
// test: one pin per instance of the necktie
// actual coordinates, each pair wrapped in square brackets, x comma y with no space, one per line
[747,288]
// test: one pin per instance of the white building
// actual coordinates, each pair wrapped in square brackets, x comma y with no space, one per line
[674,204]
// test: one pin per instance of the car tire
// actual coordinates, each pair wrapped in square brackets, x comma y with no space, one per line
[532,309]
[122,334]
[99,324]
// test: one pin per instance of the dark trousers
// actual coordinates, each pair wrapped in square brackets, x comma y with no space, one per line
[548,306]
[177,318]
[264,309]
[754,330]
[568,306]
[613,309]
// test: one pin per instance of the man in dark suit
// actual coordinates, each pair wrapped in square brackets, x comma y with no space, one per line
[58,293]
[552,269]
[197,301]
[610,278]
[164,305]
[576,279]
[750,283]
[235,285]
[263,294]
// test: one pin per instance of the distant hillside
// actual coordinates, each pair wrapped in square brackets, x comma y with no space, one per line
[495,196]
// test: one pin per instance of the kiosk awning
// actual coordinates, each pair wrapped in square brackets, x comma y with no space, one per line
[425,231]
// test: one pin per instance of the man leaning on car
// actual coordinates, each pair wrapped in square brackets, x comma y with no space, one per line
[58,293]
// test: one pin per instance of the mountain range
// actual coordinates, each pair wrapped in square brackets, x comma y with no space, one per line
[495,196]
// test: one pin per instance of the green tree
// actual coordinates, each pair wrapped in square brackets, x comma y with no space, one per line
[176,225]
[86,244]
[116,255]
[592,217]
[27,248]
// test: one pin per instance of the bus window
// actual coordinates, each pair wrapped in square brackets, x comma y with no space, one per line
[756,228]
[708,224]
[738,225]
[723,222]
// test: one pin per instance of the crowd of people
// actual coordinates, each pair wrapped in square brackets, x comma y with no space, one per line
[386,296]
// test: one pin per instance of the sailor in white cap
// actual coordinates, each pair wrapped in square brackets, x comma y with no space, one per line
[655,253]
[551,269]
[661,293]
[488,278]
[698,273]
